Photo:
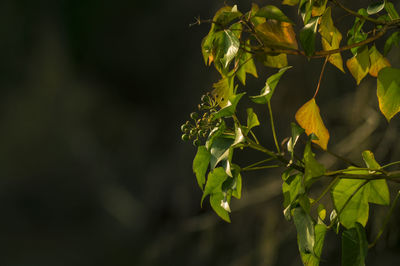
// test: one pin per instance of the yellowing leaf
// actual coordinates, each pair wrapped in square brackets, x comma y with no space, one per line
[318,7]
[330,39]
[309,118]
[223,89]
[278,35]
[359,64]
[388,91]
[377,61]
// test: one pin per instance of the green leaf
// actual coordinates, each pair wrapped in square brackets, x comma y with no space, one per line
[216,201]
[391,11]
[268,90]
[224,16]
[200,165]
[252,119]
[379,191]
[314,258]
[393,39]
[246,65]
[274,61]
[233,184]
[354,246]
[359,64]
[230,107]
[305,10]
[350,198]
[356,34]
[375,7]
[227,48]
[214,183]
[296,132]
[307,36]
[313,169]
[272,12]
[220,150]
[305,230]
[388,91]
[292,188]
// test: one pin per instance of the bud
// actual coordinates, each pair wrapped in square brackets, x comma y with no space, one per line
[185,137]
[194,115]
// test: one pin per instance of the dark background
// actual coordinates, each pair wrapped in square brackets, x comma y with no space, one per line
[92,168]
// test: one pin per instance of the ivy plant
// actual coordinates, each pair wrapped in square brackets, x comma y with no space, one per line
[265,34]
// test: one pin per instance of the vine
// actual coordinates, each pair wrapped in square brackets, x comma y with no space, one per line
[235,41]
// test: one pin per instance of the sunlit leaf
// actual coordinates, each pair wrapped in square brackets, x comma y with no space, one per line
[313,259]
[227,47]
[252,119]
[312,169]
[359,64]
[223,89]
[290,2]
[269,88]
[377,61]
[296,132]
[379,191]
[230,108]
[307,36]
[375,7]
[272,12]
[220,150]
[318,7]
[309,118]
[216,200]
[393,39]
[321,212]
[292,187]
[330,38]
[274,61]
[354,246]
[200,165]
[214,183]
[277,35]
[305,10]
[388,91]
[350,198]
[305,230]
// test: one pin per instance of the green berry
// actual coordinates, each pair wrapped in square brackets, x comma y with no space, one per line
[185,137]
[184,127]
[193,132]
[196,142]
[194,115]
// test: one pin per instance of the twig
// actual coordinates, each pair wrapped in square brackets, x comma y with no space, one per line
[320,76]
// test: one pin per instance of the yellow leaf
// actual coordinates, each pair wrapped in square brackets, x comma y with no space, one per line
[318,7]
[359,64]
[377,61]
[223,89]
[278,35]
[330,39]
[309,118]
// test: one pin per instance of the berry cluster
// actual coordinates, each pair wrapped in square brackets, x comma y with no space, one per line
[201,125]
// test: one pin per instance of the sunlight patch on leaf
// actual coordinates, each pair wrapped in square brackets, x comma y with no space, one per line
[309,118]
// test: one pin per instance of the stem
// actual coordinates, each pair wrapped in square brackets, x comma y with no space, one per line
[390,164]
[261,167]
[254,136]
[320,76]
[326,190]
[385,222]
[353,169]
[357,14]
[260,162]
[335,155]
[273,127]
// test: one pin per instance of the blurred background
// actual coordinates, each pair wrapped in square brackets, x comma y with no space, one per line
[93,171]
